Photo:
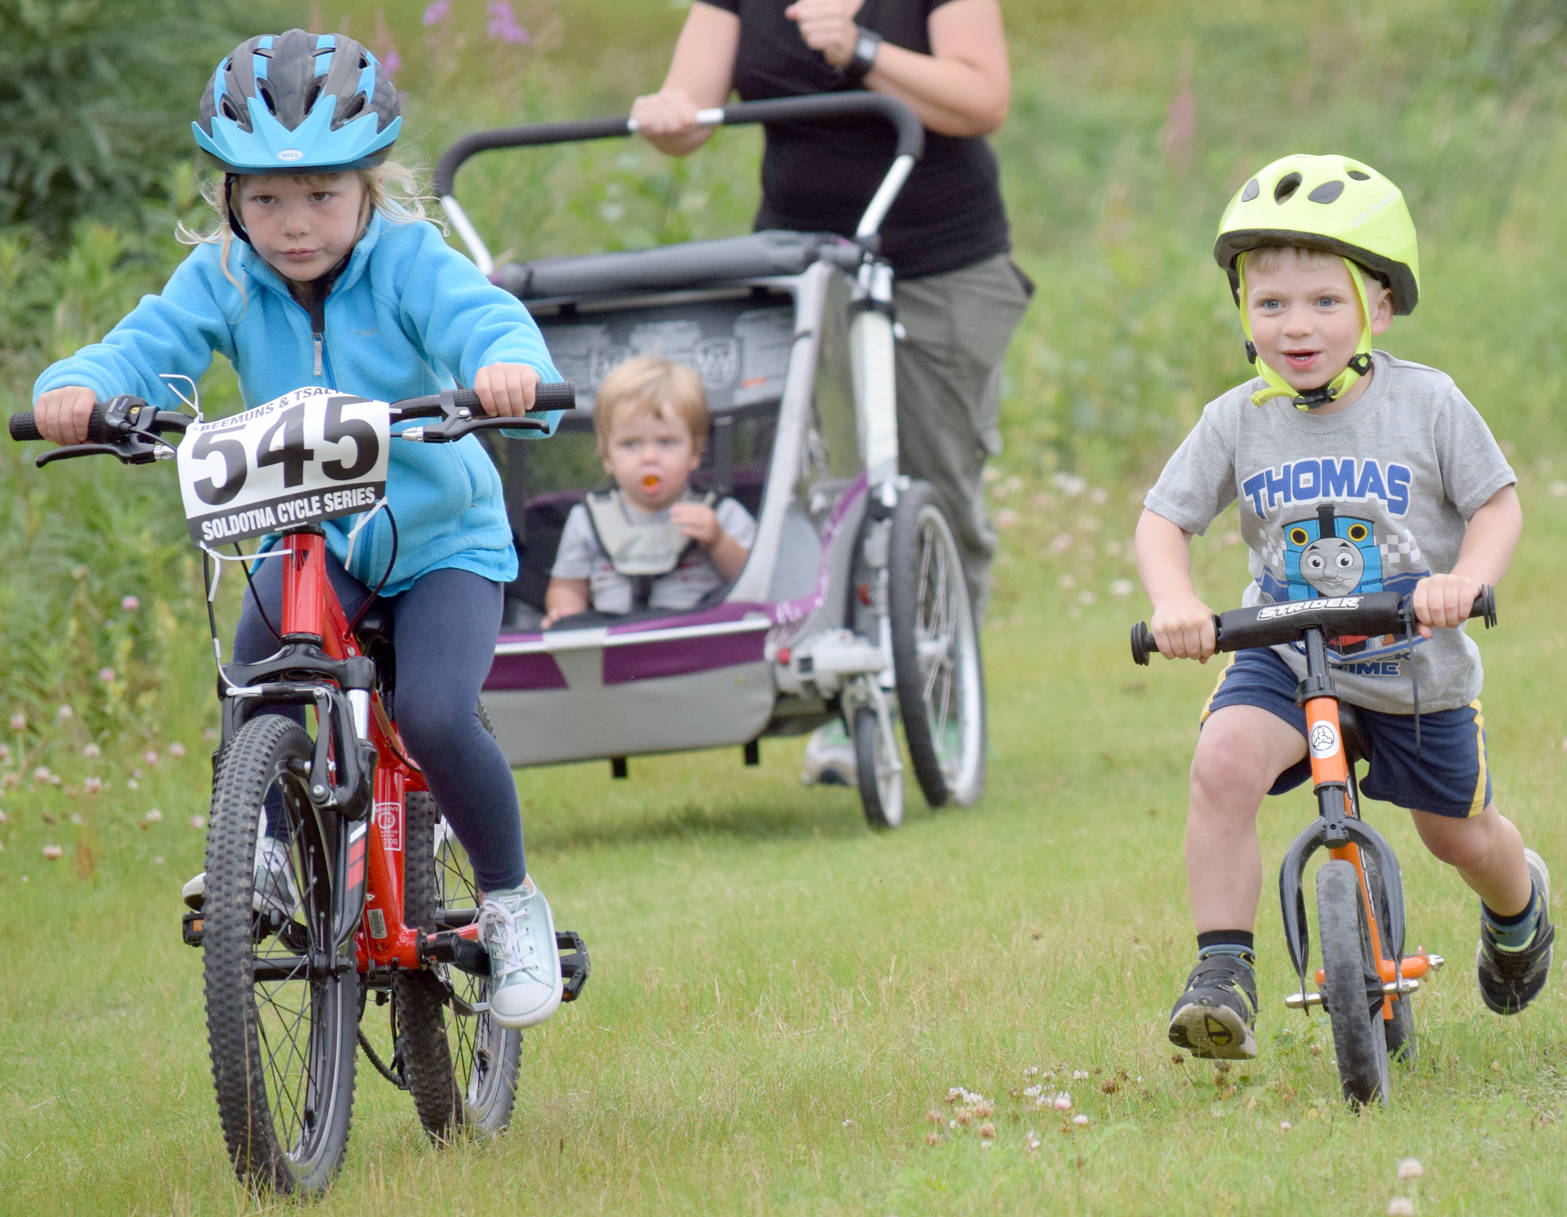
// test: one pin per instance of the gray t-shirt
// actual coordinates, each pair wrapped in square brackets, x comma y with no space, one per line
[580,557]
[1372,498]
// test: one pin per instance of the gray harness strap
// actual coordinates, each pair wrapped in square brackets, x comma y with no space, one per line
[641,549]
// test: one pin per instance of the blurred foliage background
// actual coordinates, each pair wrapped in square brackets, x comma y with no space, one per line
[1131,125]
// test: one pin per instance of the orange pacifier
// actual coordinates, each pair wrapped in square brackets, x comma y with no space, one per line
[650,482]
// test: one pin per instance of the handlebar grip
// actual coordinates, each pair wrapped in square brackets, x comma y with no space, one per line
[555,395]
[549,395]
[1143,644]
[1484,606]
[23,426]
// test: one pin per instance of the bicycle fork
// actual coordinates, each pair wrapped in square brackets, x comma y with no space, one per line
[1340,830]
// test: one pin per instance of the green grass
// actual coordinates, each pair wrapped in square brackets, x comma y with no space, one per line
[781,998]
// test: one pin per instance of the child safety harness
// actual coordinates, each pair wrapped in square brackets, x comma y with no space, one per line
[641,549]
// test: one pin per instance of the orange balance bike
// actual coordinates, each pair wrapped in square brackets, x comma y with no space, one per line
[1364,980]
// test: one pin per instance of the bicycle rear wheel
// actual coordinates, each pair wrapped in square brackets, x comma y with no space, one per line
[461,1066]
[281,1011]
[1351,985]
[935,651]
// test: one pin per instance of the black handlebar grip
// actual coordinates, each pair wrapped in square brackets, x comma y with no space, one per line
[555,395]
[549,395]
[23,426]
[1143,644]
[1485,605]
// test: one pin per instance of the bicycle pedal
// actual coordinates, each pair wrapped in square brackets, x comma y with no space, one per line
[574,963]
[192,926]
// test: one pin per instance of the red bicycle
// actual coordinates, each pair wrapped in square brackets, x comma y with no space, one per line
[356,891]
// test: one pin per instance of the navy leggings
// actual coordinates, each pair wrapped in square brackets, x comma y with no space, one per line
[443,632]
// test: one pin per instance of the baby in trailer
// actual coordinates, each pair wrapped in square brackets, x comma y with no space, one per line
[651,542]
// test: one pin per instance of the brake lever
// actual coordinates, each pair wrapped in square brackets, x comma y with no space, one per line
[131,450]
[454,426]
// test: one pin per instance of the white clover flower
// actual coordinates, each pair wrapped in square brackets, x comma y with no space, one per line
[18,721]
[1410,1168]
[129,604]
[53,852]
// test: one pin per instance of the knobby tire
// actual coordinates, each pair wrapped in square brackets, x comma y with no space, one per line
[282,1043]
[461,1066]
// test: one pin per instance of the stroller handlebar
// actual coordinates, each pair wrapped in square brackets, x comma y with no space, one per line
[911,135]
[910,145]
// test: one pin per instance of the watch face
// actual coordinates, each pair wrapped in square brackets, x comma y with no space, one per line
[865,48]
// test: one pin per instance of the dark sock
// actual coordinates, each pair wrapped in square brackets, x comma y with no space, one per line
[1240,944]
[1513,933]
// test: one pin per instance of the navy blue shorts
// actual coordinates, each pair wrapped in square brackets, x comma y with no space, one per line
[1449,777]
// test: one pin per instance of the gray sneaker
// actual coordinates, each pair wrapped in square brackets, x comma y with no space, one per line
[1215,1017]
[1510,980]
[515,926]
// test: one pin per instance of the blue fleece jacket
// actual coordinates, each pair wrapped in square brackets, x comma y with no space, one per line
[408,315]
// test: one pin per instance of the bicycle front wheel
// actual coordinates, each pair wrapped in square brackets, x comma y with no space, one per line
[282,1010]
[1351,985]
[461,1064]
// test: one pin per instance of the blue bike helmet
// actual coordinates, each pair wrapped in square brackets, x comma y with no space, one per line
[298,103]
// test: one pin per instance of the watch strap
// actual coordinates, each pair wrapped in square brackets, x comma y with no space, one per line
[866,44]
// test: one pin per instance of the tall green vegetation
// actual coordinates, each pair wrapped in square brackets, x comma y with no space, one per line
[1131,124]
[93,101]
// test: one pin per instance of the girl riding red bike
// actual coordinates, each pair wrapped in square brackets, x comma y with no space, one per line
[320,271]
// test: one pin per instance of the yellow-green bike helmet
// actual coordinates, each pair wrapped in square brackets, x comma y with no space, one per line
[1340,206]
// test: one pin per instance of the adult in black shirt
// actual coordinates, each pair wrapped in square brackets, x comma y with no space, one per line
[958,295]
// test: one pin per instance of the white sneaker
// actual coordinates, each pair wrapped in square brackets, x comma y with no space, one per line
[515,926]
[274,893]
[829,757]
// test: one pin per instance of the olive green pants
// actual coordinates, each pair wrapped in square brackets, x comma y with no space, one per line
[956,329]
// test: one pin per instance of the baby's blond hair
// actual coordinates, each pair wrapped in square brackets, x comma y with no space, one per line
[651,386]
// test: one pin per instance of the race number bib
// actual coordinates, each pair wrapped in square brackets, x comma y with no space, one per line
[311,455]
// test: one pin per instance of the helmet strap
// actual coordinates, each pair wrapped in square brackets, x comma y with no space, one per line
[231,213]
[1277,386]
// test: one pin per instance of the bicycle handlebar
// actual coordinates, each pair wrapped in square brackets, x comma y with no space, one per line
[1265,625]
[127,428]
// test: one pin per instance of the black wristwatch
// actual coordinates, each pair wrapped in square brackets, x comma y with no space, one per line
[864,58]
